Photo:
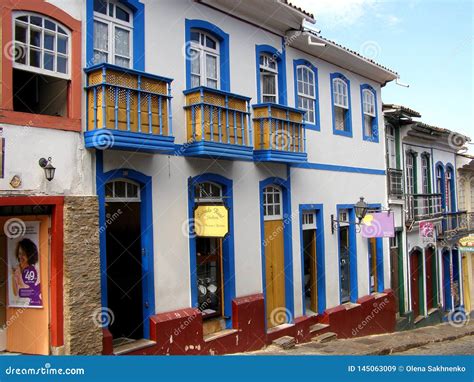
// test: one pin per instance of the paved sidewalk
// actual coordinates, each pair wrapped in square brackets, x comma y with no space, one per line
[381,344]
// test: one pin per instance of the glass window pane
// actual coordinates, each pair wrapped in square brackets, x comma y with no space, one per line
[122,42]
[36,20]
[195,62]
[20,53]
[212,84]
[121,14]
[210,43]
[119,189]
[109,191]
[101,36]
[49,41]
[49,25]
[269,84]
[20,32]
[131,190]
[62,64]
[62,44]
[211,66]
[23,18]
[61,30]
[35,37]
[99,57]
[100,6]
[194,36]
[195,81]
[48,61]
[35,58]
[121,61]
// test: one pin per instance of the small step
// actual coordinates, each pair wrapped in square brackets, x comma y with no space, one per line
[133,346]
[220,334]
[285,342]
[279,327]
[317,327]
[326,337]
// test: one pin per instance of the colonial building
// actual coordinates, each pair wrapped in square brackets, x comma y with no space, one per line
[426,264]
[209,159]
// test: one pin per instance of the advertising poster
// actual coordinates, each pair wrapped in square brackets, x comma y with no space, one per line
[24,288]
[378,224]
[427,232]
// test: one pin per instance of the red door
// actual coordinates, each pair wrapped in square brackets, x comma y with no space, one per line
[414,279]
[430,277]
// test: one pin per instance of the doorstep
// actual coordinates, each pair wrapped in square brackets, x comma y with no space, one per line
[133,346]
[220,334]
[350,305]
[279,328]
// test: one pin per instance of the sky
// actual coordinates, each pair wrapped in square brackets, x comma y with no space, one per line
[428,43]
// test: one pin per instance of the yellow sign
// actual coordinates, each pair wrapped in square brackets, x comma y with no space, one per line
[467,241]
[211,221]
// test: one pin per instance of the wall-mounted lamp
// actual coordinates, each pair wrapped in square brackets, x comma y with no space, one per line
[361,208]
[48,168]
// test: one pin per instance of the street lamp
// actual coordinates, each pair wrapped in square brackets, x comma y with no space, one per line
[360,208]
[48,168]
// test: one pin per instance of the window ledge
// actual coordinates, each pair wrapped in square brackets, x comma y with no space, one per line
[343,133]
[38,120]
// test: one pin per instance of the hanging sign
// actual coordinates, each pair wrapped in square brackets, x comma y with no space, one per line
[427,232]
[378,224]
[467,241]
[24,287]
[211,221]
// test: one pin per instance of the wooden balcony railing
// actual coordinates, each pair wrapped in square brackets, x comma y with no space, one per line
[395,182]
[279,133]
[456,224]
[424,206]
[132,107]
[217,123]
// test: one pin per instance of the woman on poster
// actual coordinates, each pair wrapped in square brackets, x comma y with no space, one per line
[25,276]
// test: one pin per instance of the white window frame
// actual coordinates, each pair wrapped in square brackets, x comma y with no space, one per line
[127,198]
[425,175]
[449,195]
[471,192]
[368,108]
[27,46]
[311,99]
[112,23]
[410,168]
[207,198]
[272,190]
[391,147]
[462,194]
[337,95]
[267,70]
[203,51]
[309,220]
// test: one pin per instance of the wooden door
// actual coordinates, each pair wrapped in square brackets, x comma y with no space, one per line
[430,278]
[28,328]
[373,264]
[465,283]
[414,279]
[274,272]
[310,269]
[394,281]
[344,265]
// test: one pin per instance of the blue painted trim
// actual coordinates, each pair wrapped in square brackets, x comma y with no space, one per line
[288,240]
[279,156]
[280,58]
[277,106]
[439,165]
[375,122]
[134,72]
[378,256]
[452,186]
[218,150]
[146,236]
[348,131]
[215,91]
[320,255]
[338,168]
[311,126]
[128,140]
[352,253]
[228,260]
[224,55]
[138,10]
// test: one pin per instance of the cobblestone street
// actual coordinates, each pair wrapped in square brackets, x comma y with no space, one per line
[460,346]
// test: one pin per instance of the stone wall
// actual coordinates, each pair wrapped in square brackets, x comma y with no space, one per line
[82,305]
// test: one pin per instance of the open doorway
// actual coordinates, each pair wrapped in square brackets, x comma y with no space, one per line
[310,262]
[124,261]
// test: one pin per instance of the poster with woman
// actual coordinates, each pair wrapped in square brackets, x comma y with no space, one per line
[24,287]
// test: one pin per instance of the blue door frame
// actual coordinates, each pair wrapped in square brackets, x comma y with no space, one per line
[285,186]
[446,257]
[228,260]
[320,254]
[146,228]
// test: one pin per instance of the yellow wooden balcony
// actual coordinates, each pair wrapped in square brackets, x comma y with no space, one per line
[128,110]
[217,124]
[279,134]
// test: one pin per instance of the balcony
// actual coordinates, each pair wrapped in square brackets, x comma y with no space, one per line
[456,224]
[128,110]
[424,206]
[217,124]
[395,183]
[279,134]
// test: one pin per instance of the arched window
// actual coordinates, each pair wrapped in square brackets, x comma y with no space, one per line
[410,172]
[208,192]
[369,113]
[272,203]
[204,56]
[462,194]
[122,191]
[113,28]
[268,78]
[41,45]
[306,92]
[341,105]
[425,173]
[449,189]
[439,180]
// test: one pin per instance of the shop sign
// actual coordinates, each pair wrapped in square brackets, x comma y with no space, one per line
[24,287]
[467,241]
[427,232]
[211,221]
[378,224]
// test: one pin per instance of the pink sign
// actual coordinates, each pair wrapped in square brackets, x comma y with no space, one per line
[378,224]
[427,232]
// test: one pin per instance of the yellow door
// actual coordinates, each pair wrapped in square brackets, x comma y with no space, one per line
[274,272]
[27,329]
[465,283]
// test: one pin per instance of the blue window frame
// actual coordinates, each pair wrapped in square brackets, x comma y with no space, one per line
[450,188]
[341,105]
[223,60]
[279,58]
[440,183]
[306,92]
[138,33]
[370,122]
